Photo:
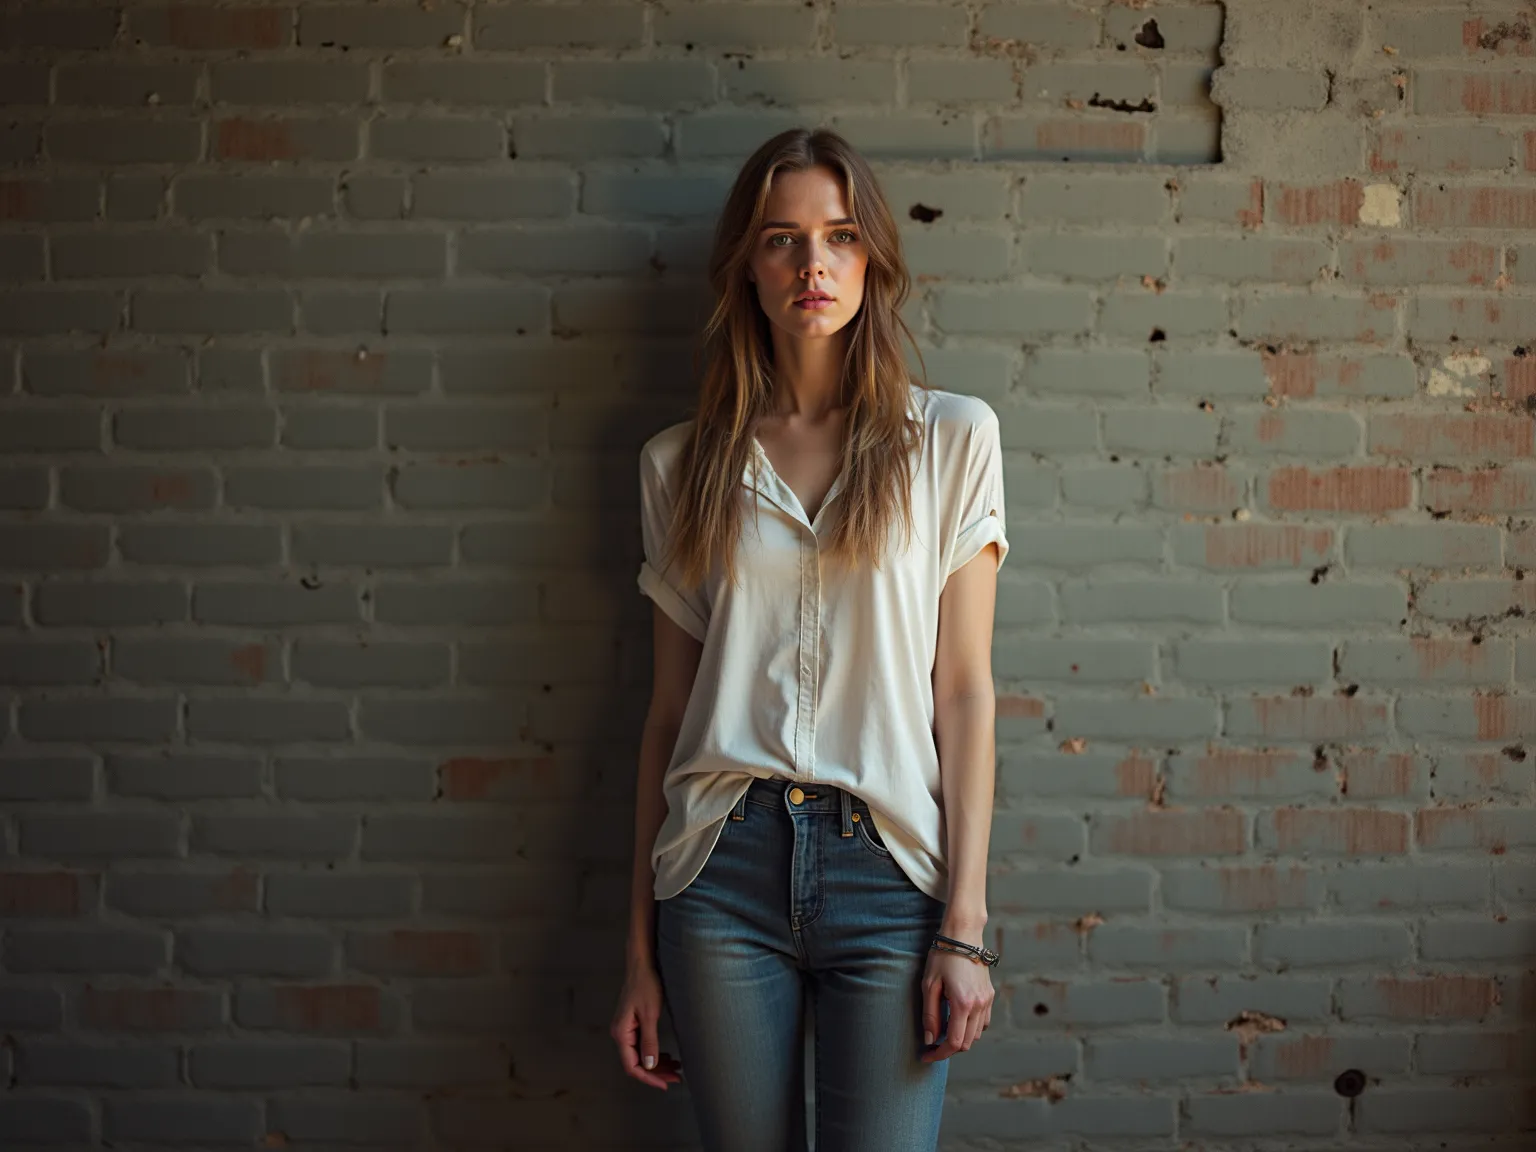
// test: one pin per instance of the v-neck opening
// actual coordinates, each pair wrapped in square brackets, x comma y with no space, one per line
[776,480]
[916,407]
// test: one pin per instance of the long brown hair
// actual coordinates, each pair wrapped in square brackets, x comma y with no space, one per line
[737,378]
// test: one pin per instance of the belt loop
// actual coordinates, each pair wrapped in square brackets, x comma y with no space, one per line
[740,811]
[847,800]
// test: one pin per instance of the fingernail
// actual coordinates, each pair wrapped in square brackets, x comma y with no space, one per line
[927,1037]
[650,1061]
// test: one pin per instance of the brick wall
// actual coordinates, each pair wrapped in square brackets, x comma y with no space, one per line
[329,334]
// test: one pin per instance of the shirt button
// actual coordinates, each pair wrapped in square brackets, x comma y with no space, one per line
[796,795]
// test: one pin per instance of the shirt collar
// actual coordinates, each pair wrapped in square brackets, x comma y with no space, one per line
[768,484]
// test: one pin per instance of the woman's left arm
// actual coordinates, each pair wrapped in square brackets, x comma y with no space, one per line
[965,711]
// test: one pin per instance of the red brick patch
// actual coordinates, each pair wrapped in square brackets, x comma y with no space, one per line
[1209,831]
[326,1007]
[200,26]
[1254,545]
[40,893]
[1336,203]
[1371,774]
[146,1009]
[1355,831]
[1438,997]
[473,778]
[1365,489]
[254,140]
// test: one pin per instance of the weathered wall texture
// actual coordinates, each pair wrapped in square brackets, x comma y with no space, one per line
[330,333]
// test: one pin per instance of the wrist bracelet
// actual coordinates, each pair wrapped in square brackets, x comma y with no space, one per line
[978,953]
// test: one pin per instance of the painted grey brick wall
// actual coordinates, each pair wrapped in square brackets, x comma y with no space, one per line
[328,335]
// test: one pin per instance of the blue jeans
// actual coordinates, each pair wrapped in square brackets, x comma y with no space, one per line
[801,901]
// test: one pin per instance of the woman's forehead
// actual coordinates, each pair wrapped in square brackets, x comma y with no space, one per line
[815,191]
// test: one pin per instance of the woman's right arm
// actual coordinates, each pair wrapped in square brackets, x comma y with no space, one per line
[675,664]
[639,1011]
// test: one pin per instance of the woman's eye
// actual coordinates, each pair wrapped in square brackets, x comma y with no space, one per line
[842,235]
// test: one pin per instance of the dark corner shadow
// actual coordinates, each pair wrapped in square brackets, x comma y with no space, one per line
[1521,990]
[575,952]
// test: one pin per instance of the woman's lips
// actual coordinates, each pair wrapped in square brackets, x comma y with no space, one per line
[815,304]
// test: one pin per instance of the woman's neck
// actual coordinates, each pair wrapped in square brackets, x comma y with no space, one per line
[807,377]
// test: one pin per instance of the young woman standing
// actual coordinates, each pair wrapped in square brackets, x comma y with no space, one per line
[816,769]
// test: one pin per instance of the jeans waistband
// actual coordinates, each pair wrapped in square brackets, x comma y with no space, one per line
[799,796]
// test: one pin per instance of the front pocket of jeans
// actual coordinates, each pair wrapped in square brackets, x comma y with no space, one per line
[869,837]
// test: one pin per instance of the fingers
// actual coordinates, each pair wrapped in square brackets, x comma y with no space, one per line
[968,1018]
[977,1023]
[954,1035]
[669,1069]
[624,1033]
[652,1058]
[933,996]
[648,1046]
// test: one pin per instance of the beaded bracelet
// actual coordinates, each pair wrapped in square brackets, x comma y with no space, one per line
[978,953]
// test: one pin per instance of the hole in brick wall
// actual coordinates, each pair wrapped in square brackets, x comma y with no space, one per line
[1142,105]
[1350,1082]
[1148,35]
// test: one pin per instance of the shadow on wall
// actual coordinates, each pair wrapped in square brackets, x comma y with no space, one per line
[567,977]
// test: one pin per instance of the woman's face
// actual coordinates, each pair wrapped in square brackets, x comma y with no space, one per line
[808,260]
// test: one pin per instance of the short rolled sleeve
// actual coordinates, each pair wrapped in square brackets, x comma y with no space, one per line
[981,518]
[686,606]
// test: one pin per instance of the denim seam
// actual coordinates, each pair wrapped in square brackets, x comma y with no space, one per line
[816,1049]
[819,868]
[800,949]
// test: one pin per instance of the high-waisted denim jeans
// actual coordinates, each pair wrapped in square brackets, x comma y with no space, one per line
[801,901]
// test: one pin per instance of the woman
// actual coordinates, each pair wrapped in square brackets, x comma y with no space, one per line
[814,668]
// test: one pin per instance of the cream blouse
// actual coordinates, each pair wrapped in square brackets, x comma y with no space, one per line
[809,676]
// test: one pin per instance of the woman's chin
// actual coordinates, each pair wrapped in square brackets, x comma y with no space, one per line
[808,324]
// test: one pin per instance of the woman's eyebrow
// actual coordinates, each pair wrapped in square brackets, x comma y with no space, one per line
[792,224]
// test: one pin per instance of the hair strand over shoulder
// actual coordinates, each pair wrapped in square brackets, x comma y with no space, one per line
[736,386]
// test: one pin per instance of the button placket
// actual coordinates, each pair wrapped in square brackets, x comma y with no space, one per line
[772,487]
[809,642]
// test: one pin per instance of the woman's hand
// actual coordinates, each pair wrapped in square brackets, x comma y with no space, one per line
[967,986]
[634,1029]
